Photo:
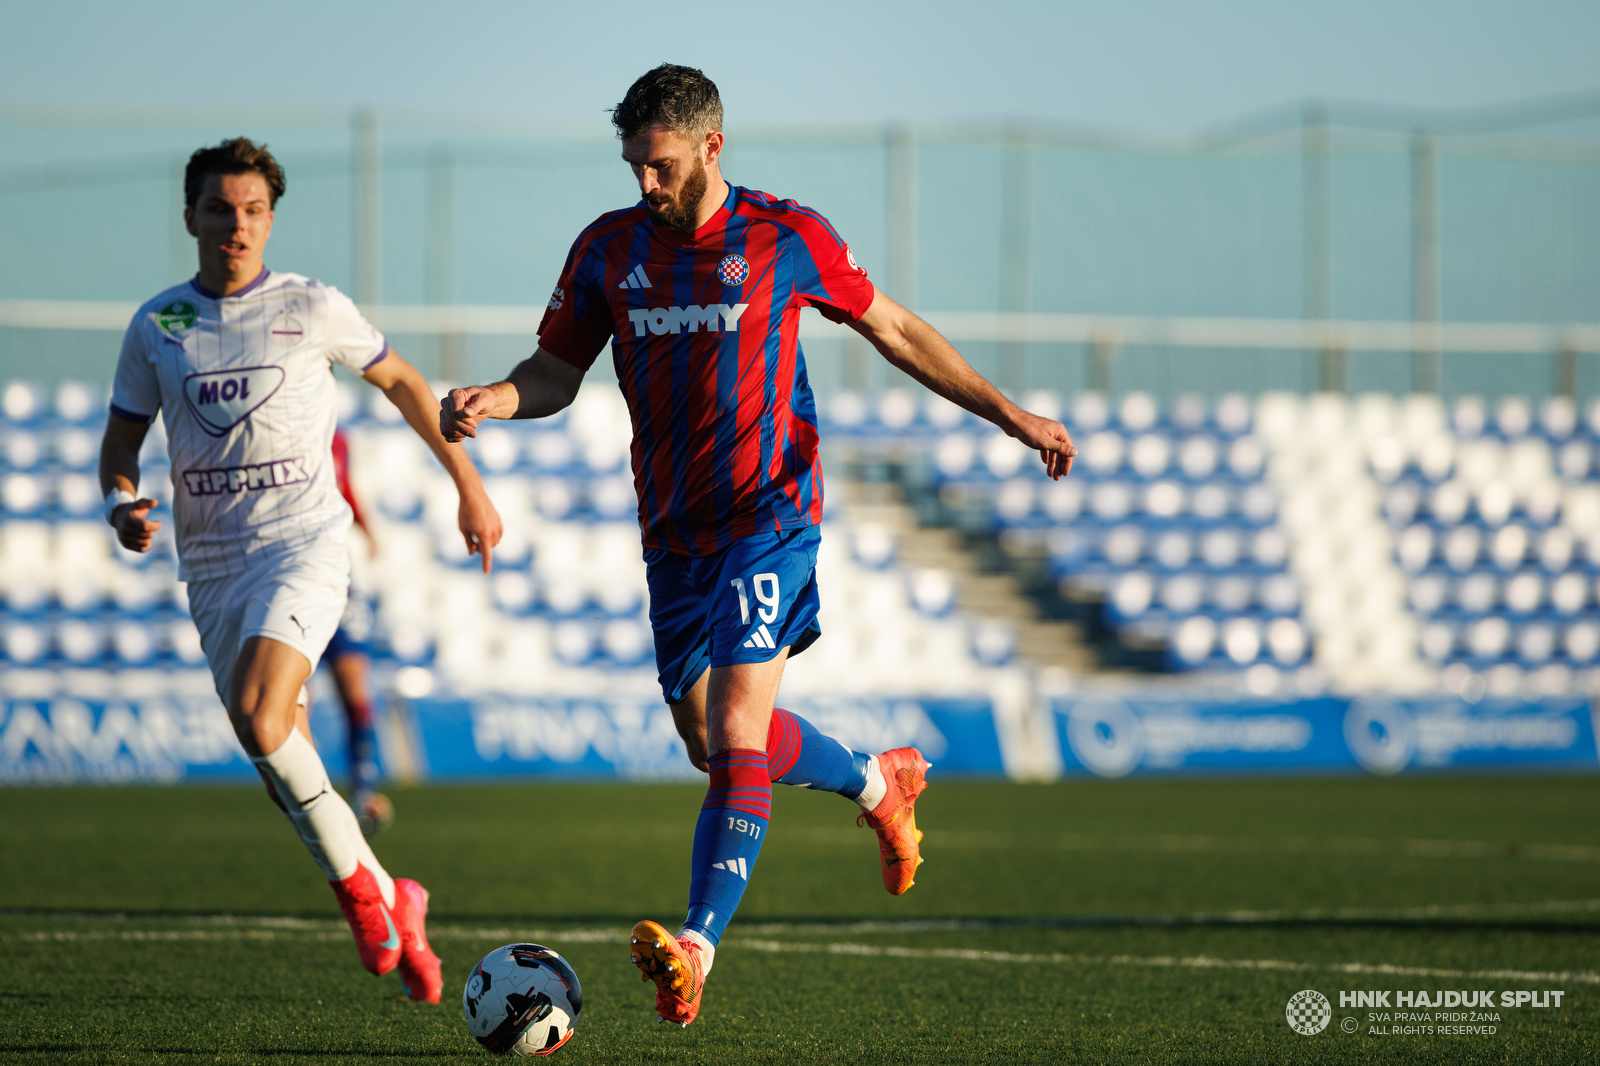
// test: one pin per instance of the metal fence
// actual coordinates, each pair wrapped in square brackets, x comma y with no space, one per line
[1241,261]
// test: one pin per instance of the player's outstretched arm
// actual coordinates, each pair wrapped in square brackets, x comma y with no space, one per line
[540,385]
[917,348]
[119,474]
[408,390]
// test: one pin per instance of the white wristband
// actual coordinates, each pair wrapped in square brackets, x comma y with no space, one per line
[116,498]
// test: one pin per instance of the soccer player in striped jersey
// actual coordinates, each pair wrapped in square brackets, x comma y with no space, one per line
[238,362]
[699,288]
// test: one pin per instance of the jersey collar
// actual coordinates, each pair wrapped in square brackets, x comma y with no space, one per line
[714,225]
[260,280]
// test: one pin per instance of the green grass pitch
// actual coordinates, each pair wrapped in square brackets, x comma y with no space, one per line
[1133,921]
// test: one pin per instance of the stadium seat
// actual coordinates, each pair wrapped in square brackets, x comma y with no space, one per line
[1223,528]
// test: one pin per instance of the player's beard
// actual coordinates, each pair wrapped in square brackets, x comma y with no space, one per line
[679,214]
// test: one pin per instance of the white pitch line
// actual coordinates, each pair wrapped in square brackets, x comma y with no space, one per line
[1236,917]
[245,928]
[230,927]
[1196,962]
[1195,843]
[266,923]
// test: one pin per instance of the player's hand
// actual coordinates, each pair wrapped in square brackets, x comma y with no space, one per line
[1050,439]
[462,409]
[480,523]
[134,529]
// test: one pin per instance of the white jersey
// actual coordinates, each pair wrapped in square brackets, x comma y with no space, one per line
[245,384]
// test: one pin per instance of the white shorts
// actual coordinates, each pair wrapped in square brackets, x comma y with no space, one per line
[296,600]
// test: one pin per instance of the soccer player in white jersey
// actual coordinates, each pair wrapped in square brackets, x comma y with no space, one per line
[239,363]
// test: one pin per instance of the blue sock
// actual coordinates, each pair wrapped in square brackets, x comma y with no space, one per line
[727,839]
[799,755]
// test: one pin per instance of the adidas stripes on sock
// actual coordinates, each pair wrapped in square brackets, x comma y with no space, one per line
[798,755]
[320,815]
[727,839]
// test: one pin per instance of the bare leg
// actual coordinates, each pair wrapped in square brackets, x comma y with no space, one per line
[739,701]
[266,713]
[352,678]
[740,688]
[689,715]
[267,678]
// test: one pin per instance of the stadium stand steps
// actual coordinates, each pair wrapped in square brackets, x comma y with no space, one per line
[982,589]
[1106,648]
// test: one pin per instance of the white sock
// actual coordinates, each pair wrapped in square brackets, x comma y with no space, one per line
[320,815]
[708,950]
[877,786]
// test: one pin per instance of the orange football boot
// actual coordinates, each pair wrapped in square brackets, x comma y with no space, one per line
[674,964]
[895,819]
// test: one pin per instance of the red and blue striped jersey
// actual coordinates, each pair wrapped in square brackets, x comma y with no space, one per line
[705,338]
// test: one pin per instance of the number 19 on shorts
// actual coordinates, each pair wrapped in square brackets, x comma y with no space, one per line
[767,594]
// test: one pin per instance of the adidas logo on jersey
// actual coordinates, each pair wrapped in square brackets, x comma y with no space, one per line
[659,320]
[636,280]
[734,866]
[245,478]
[761,638]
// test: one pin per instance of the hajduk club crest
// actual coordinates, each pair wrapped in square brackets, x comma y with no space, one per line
[733,270]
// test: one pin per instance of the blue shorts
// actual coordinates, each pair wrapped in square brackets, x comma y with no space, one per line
[355,629]
[741,605]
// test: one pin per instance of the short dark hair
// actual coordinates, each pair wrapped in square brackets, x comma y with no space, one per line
[682,99]
[240,155]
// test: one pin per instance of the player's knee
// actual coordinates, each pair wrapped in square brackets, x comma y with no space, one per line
[260,717]
[249,699]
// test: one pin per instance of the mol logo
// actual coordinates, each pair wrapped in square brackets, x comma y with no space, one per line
[659,320]
[221,399]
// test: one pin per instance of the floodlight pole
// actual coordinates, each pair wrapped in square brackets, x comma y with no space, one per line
[183,248]
[1102,361]
[441,250]
[368,188]
[1566,383]
[1426,371]
[861,370]
[1016,251]
[1318,241]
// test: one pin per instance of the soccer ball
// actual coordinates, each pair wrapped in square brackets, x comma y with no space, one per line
[522,998]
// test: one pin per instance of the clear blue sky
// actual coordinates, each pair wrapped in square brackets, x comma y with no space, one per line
[1149,66]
